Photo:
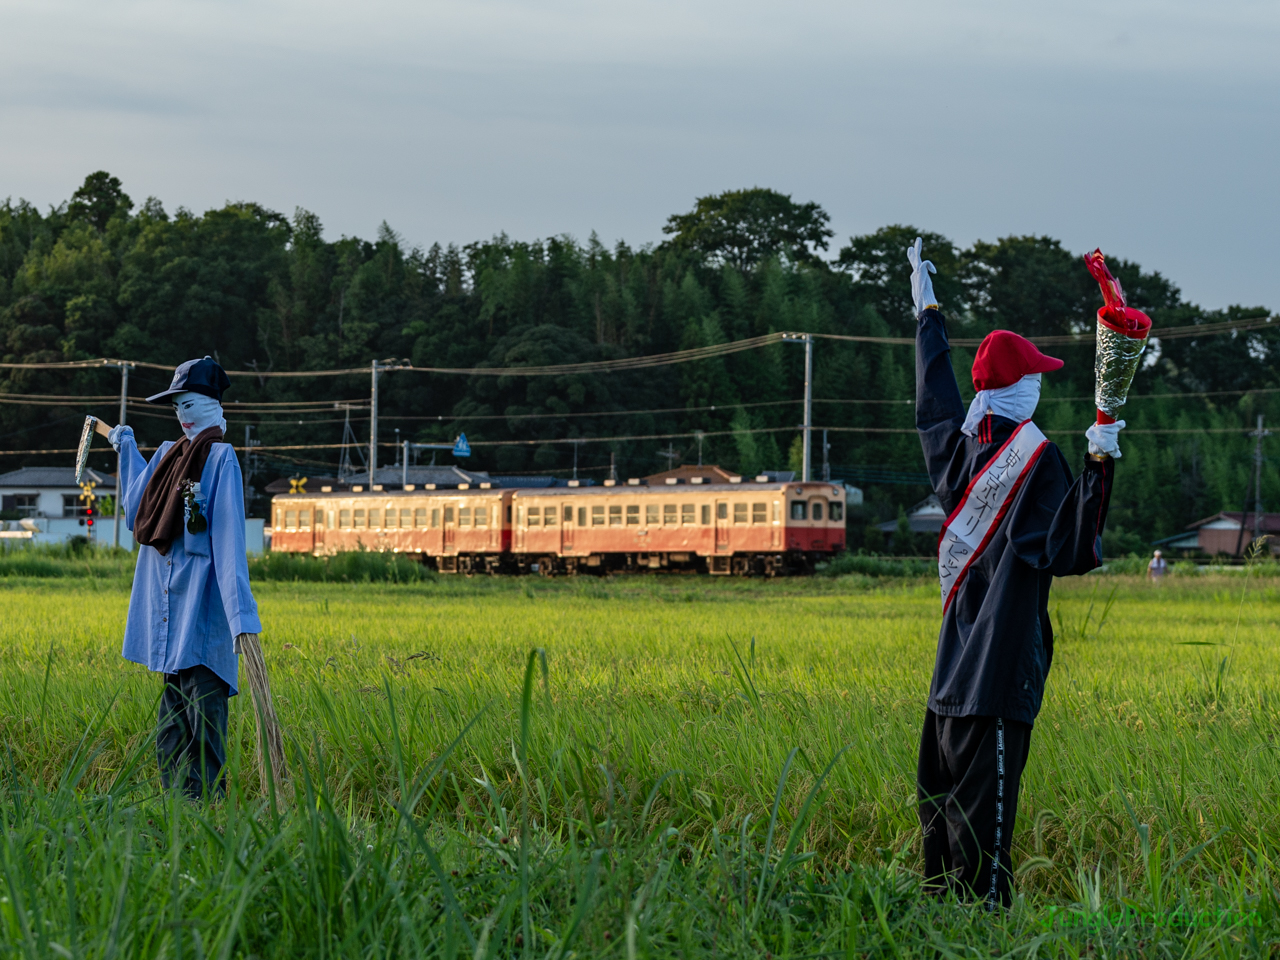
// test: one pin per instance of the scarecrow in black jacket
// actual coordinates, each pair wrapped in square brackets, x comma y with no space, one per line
[1016,519]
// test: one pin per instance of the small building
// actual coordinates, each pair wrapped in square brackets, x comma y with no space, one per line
[1229,533]
[927,516]
[49,492]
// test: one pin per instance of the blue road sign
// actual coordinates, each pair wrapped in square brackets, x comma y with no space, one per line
[461,448]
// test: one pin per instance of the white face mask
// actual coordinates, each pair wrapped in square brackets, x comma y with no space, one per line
[197,413]
[1017,402]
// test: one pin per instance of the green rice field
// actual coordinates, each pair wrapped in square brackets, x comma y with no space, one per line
[638,767]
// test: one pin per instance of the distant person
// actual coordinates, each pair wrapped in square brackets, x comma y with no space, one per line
[191,600]
[1016,519]
[1157,568]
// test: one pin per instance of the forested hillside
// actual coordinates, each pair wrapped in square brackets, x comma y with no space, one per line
[101,277]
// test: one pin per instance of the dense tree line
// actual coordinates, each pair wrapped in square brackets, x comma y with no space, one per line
[98,277]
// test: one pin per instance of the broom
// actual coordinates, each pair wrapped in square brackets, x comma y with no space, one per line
[270,752]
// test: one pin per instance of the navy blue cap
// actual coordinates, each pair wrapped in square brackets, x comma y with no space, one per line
[196,376]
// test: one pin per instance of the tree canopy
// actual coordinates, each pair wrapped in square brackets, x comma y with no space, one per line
[264,292]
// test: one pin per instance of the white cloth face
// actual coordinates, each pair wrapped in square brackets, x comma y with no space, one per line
[1104,439]
[1017,402]
[197,413]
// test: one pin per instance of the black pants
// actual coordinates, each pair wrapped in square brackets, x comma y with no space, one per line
[967,783]
[192,735]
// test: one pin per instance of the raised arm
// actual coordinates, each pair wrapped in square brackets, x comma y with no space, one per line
[134,472]
[1057,524]
[939,410]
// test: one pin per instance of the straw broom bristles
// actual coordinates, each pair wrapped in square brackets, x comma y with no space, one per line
[270,739]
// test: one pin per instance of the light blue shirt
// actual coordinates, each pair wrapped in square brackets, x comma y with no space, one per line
[187,607]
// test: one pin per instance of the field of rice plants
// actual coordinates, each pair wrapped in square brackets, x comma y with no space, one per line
[653,766]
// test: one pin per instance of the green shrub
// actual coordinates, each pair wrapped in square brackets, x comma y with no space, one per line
[75,558]
[870,565]
[359,566]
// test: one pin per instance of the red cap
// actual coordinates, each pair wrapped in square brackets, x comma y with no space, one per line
[1004,358]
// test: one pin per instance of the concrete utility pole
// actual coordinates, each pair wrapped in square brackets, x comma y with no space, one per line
[1257,478]
[807,427]
[826,464]
[373,424]
[124,396]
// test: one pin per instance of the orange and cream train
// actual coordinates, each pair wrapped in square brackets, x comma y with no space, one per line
[743,528]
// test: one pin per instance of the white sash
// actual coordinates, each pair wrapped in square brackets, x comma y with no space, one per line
[971,525]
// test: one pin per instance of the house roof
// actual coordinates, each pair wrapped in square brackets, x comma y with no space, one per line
[927,516]
[31,478]
[1230,520]
[712,474]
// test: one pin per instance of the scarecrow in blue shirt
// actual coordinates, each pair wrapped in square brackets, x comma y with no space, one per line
[191,600]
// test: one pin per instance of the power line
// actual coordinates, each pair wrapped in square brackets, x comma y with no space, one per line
[660,359]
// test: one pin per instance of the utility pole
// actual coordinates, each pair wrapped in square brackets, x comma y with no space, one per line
[575,459]
[373,424]
[249,444]
[826,465]
[1257,479]
[377,367]
[700,435]
[124,396]
[807,427]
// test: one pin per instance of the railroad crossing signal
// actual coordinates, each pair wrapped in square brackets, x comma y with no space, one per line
[461,448]
[88,496]
[297,484]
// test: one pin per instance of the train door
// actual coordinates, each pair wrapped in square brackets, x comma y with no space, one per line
[775,539]
[518,531]
[318,528]
[722,524]
[566,529]
[818,530]
[450,528]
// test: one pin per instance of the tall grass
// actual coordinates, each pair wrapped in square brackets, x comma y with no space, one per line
[698,769]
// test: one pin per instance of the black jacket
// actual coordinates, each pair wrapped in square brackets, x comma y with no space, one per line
[996,642]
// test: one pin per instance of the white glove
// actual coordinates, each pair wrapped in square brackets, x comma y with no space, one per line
[117,435]
[1104,439]
[921,285]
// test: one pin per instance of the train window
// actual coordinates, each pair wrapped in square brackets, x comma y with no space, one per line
[759,513]
[435,518]
[568,514]
[798,511]
[535,516]
[817,510]
[304,518]
[706,514]
[597,516]
[406,518]
[392,518]
[582,516]
[651,513]
[291,519]
[464,517]
[739,513]
[375,517]
[633,516]
[548,516]
[420,517]
[837,510]
[722,511]
[482,516]
[688,513]
[344,519]
[330,519]
[777,511]
[448,514]
[668,513]
[615,516]
[360,519]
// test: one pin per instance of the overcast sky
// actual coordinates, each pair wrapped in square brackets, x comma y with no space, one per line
[1146,128]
